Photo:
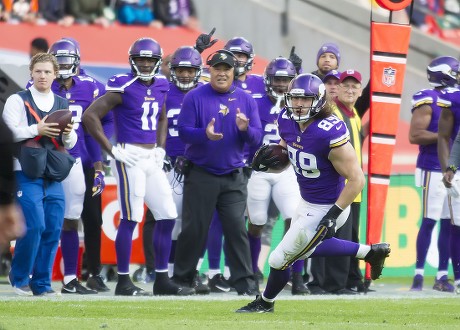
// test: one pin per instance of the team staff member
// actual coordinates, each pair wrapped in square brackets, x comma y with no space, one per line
[215,122]
[41,199]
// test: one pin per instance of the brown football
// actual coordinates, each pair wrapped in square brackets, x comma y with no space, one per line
[281,154]
[62,117]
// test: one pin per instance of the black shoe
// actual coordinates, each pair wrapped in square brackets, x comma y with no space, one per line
[75,286]
[200,286]
[359,287]
[218,284]
[257,306]
[96,282]
[169,288]
[376,258]
[345,292]
[259,276]
[250,292]
[130,290]
[316,290]
[298,287]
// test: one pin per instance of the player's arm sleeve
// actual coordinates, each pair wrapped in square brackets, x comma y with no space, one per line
[14,116]
[253,135]
[187,122]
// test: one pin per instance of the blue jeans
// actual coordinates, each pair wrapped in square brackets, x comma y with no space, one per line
[42,203]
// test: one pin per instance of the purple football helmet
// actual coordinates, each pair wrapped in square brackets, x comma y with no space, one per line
[443,72]
[279,67]
[145,47]
[308,86]
[241,45]
[68,57]
[185,57]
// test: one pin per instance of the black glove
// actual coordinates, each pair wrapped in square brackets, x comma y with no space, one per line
[167,164]
[330,221]
[264,159]
[204,41]
[296,60]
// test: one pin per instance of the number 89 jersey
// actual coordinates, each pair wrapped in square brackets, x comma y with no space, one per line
[318,180]
[137,116]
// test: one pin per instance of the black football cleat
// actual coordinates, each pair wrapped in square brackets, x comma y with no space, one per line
[257,306]
[130,290]
[218,284]
[298,287]
[75,286]
[96,282]
[376,258]
[169,288]
[200,286]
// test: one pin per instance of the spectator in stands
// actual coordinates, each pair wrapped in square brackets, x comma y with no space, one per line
[137,12]
[88,12]
[176,13]
[4,14]
[327,59]
[38,45]
[21,11]
[54,11]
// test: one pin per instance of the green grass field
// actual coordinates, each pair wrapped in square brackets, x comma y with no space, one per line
[391,306]
[173,314]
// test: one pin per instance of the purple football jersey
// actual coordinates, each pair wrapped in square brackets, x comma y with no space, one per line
[268,113]
[253,85]
[318,180]
[450,98]
[427,158]
[203,104]
[81,94]
[137,116]
[174,145]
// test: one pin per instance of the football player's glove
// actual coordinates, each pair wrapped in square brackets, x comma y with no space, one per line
[268,156]
[124,156]
[167,164]
[295,59]
[204,41]
[98,183]
[330,221]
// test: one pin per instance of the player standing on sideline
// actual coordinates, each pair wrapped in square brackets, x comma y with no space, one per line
[215,122]
[424,132]
[185,70]
[282,187]
[319,149]
[137,99]
[448,127]
[41,198]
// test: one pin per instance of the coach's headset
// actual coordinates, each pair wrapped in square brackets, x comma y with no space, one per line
[229,53]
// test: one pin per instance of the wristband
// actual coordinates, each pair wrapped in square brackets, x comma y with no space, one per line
[334,212]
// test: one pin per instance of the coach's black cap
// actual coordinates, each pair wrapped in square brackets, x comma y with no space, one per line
[222,56]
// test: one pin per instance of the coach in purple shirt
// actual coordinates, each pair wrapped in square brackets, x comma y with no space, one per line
[215,122]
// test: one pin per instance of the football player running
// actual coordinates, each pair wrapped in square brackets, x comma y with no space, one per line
[329,178]
[137,100]
[262,186]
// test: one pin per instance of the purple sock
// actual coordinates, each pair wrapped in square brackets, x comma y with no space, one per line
[123,244]
[69,249]
[334,247]
[444,244]
[277,280]
[173,251]
[423,241]
[255,244]
[297,266]
[162,243]
[455,250]
[214,244]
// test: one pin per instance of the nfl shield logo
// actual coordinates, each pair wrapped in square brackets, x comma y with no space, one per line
[389,76]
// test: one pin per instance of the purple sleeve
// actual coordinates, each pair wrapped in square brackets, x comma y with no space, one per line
[187,122]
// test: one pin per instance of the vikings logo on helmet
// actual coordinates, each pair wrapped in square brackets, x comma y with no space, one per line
[443,71]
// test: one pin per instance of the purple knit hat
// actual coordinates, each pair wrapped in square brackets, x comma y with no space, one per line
[329,47]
